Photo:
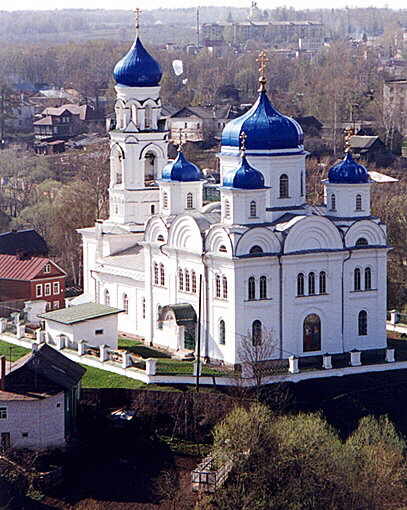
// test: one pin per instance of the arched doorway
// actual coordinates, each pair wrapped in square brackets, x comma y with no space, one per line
[150,168]
[312,333]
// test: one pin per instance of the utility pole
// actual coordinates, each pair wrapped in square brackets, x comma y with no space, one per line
[2,119]
[197,27]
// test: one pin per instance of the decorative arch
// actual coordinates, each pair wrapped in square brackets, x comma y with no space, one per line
[258,236]
[216,238]
[368,230]
[313,233]
[152,147]
[155,227]
[116,147]
[311,340]
[184,234]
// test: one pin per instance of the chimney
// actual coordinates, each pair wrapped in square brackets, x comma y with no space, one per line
[2,373]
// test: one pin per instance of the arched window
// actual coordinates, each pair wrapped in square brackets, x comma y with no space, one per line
[255,249]
[253,209]
[222,248]
[187,281]
[160,238]
[119,178]
[263,287]
[107,297]
[152,209]
[227,209]
[302,184]
[218,289]
[311,283]
[222,332]
[125,303]
[143,308]
[190,201]
[148,117]
[156,274]
[284,186]
[322,282]
[251,289]
[333,202]
[165,200]
[312,333]
[225,287]
[300,285]
[358,202]
[180,279]
[362,242]
[368,278]
[193,278]
[256,333]
[356,279]
[162,275]
[362,323]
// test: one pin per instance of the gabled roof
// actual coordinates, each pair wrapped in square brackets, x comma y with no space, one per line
[184,313]
[13,267]
[204,112]
[362,142]
[27,242]
[43,372]
[45,121]
[80,313]
[74,109]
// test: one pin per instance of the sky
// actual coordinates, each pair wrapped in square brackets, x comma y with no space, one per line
[153,4]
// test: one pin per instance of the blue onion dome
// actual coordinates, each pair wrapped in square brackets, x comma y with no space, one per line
[266,128]
[244,177]
[137,68]
[348,171]
[181,170]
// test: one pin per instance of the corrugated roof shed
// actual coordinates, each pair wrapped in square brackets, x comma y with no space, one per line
[12,267]
[80,313]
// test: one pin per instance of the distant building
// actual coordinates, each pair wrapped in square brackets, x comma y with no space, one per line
[38,399]
[395,105]
[27,278]
[23,242]
[198,122]
[62,122]
[308,34]
[367,148]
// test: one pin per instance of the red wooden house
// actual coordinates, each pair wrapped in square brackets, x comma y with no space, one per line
[31,278]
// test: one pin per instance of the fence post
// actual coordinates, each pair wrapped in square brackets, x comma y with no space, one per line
[390,356]
[81,347]
[327,361]
[40,336]
[355,359]
[103,354]
[3,325]
[60,341]
[151,366]
[293,365]
[20,329]
[126,361]
[394,317]
[196,368]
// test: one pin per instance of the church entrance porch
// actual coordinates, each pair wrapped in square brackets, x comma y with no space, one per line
[178,324]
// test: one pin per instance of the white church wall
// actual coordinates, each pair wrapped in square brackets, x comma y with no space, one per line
[345,200]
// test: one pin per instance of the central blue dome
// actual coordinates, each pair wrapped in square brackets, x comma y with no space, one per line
[265,127]
[181,170]
[348,171]
[137,68]
[244,177]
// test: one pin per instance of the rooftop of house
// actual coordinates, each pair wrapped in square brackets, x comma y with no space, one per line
[41,373]
[80,313]
[362,142]
[25,268]
[27,242]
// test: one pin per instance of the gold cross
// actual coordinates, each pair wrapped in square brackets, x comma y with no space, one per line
[243,138]
[349,132]
[181,139]
[263,60]
[137,13]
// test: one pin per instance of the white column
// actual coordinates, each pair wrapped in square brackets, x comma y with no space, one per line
[355,359]
[394,317]
[390,356]
[151,366]
[40,336]
[293,365]
[20,330]
[60,341]
[103,355]
[327,361]
[3,325]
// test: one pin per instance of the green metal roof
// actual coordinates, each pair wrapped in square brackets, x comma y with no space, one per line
[80,313]
[184,313]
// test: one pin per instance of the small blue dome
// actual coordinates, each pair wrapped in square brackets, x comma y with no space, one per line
[348,171]
[137,68]
[181,170]
[244,177]
[265,127]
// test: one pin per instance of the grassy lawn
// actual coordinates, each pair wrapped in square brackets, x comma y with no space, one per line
[138,348]
[97,378]
[12,352]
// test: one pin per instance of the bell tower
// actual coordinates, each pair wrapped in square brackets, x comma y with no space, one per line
[138,140]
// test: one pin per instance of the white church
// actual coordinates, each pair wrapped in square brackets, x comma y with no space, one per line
[261,263]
